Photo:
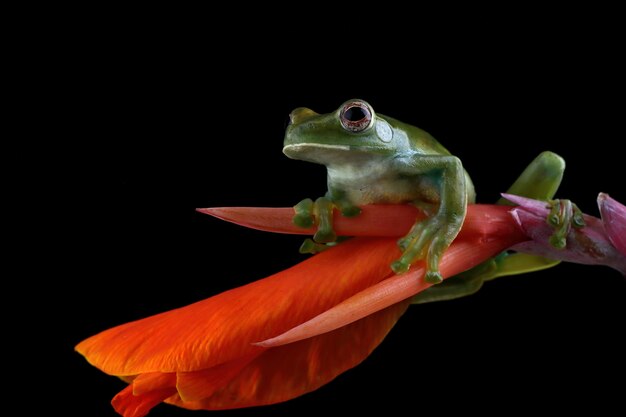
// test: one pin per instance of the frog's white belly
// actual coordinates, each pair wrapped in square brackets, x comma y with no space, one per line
[375,183]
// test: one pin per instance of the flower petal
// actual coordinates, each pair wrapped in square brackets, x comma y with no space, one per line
[153,381]
[130,405]
[285,372]
[374,220]
[197,385]
[461,256]
[588,245]
[222,328]
[614,219]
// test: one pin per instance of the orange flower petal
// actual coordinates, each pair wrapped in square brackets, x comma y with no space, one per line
[202,356]
[130,405]
[461,256]
[285,372]
[223,328]
[153,381]
[197,385]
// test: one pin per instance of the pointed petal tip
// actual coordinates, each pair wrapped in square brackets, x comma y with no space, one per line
[613,215]
[219,212]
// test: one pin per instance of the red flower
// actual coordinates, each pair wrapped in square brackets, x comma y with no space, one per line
[207,355]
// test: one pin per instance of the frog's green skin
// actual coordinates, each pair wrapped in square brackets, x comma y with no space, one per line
[382,161]
[378,159]
[538,181]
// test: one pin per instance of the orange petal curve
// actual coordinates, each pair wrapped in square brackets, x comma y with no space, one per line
[461,256]
[223,327]
[288,371]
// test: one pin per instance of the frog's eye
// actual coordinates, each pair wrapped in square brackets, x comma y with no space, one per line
[356,116]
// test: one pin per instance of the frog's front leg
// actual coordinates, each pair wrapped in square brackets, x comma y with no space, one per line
[429,238]
[320,213]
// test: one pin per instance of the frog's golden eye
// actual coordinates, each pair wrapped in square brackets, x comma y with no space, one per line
[356,116]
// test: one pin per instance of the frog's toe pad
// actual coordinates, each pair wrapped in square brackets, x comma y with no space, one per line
[324,235]
[558,241]
[433,277]
[309,246]
[304,214]
[303,220]
[400,267]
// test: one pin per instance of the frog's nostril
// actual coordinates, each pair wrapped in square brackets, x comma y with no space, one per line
[300,114]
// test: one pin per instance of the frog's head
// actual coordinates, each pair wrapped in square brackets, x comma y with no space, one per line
[352,130]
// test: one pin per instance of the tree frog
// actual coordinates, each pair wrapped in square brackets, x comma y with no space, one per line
[375,159]
[371,158]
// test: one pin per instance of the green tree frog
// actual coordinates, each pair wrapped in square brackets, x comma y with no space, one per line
[375,159]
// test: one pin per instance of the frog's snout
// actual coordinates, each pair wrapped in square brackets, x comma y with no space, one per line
[301,114]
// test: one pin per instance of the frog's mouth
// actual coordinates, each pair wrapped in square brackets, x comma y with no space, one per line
[327,154]
[319,153]
[296,148]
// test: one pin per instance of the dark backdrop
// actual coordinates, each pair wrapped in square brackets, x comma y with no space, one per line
[162,136]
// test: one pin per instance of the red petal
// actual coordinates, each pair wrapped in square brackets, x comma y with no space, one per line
[374,220]
[197,385]
[130,405]
[285,372]
[614,219]
[461,256]
[153,381]
[223,327]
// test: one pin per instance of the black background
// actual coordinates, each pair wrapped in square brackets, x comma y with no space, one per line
[161,132]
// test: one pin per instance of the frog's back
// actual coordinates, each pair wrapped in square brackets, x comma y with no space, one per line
[419,140]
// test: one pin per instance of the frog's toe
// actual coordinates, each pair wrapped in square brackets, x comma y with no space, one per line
[304,214]
[400,266]
[404,243]
[578,221]
[311,247]
[303,220]
[426,241]
[325,235]
[324,210]
[433,277]
[558,241]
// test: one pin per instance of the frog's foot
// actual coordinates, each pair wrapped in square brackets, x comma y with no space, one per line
[427,240]
[470,281]
[320,213]
[562,217]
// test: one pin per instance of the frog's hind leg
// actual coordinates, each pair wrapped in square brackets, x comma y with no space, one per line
[540,181]
[470,281]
